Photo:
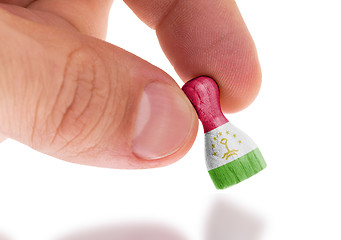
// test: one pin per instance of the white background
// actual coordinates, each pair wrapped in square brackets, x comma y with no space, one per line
[295,121]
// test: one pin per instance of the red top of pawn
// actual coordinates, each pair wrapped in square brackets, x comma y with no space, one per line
[203,92]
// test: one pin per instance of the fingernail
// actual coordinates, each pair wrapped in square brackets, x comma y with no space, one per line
[164,121]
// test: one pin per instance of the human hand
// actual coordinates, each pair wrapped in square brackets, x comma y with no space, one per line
[66,93]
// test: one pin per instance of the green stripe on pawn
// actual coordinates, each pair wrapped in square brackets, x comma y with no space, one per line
[238,170]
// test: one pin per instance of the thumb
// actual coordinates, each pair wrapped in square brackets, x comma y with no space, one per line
[2,138]
[83,100]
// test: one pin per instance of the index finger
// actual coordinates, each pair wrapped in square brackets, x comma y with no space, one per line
[206,38]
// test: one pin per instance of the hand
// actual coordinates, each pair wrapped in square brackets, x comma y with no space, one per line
[66,93]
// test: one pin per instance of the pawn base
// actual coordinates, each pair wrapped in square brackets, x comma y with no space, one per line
[238,170]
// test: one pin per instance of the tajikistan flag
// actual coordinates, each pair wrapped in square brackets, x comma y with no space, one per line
[231,156]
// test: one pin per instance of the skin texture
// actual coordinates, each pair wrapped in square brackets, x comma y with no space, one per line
[61,84]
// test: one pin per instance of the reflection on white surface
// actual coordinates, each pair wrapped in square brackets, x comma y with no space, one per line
[2,237]
[128,232]
[228,221]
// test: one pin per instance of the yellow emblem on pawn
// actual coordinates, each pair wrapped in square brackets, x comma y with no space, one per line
[229,152]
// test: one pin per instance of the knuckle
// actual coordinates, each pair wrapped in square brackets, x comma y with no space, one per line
[81,100]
